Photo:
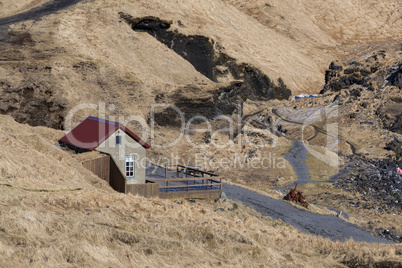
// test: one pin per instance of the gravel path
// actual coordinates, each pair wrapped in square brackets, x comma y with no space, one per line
[326,226]
[296,157]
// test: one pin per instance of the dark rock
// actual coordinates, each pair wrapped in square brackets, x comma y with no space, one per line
[395,77]
[336,98]
[34,103]
[333,66]
[235,206]
[396,146]
[376,179]
[204,55]
[365,72]
[350,70]
[207,137]
[355,92]
[146,24]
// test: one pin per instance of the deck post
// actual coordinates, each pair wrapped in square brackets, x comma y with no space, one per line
[166,171]
[167,186]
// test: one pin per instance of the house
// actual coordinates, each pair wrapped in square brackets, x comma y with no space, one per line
[127,152]
[115,154]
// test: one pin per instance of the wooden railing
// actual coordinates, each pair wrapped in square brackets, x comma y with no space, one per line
[193,171]
[186,181]
[188,184]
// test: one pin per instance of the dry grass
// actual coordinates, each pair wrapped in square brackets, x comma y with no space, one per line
[97,229]
[46,222]
[11,7]
[319,170]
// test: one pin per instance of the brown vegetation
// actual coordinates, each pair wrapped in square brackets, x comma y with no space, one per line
[70,217]
[53,212]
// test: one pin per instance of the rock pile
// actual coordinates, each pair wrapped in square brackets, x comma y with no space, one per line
[377,181]
[396,146]
[370,74]
[380,185]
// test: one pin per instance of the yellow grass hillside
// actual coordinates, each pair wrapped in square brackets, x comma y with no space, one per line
[53,212]
[9,8]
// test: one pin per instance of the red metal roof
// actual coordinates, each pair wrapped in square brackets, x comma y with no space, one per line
[91,132]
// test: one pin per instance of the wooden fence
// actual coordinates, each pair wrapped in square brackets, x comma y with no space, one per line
[146,190]
[99,166]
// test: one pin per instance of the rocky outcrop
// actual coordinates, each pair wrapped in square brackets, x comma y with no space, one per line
[208,58]
[34,103]
[196,49]
[370,73]
[256,85]
[337,78]
[377,181]
[396,146]
[194,101]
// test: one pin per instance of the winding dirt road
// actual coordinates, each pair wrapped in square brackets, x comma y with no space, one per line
[38,12]
[317,129]
[326,226]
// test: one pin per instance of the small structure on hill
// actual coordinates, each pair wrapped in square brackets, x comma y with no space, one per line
[124,153]
[115,154]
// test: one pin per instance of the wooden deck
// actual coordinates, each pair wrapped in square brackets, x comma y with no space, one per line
[186,182]
[179,182]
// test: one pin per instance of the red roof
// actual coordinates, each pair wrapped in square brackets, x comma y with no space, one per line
[91,132]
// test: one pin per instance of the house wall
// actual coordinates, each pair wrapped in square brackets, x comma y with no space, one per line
[119,152]
[117,181]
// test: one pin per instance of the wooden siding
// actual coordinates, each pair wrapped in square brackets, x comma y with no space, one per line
[211,194]
[117,181]
[146,189]
[99,166]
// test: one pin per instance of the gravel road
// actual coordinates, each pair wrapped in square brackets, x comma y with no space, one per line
[36,13]
[296,157]
[326,226]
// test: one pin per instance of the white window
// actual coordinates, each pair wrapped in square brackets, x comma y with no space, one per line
[118,140]
[130,166]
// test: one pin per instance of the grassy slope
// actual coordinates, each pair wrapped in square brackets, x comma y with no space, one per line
[11,7]
[45,220]
[63,225]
